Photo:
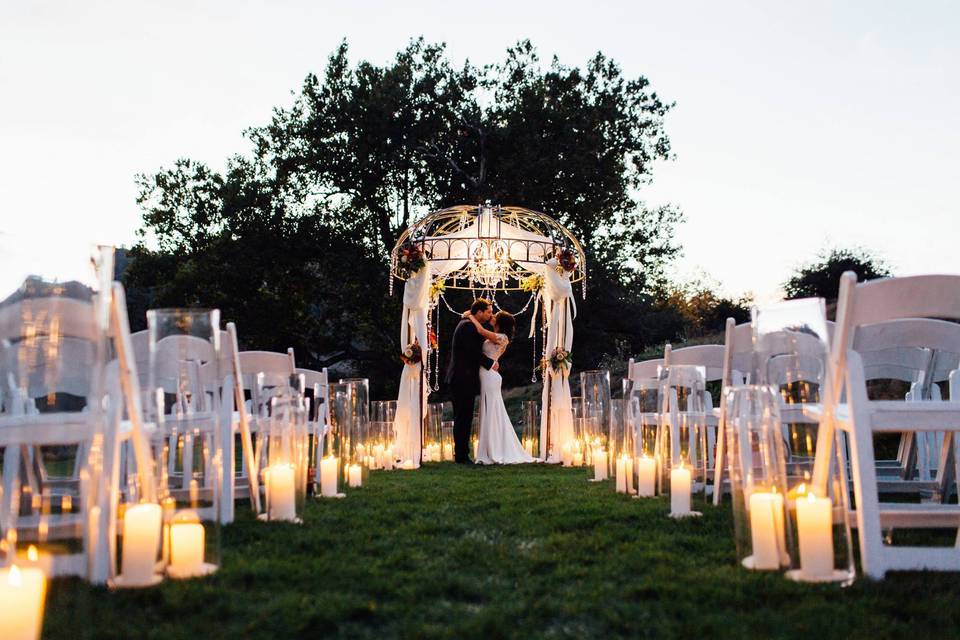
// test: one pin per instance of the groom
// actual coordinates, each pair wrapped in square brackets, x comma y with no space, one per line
[463,376]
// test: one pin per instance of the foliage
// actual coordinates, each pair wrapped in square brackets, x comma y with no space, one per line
[821,278]
[701,311]
[503,552]
[291,242]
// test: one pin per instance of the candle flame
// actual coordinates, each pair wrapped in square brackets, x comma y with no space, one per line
[32,553]
[802,489]
[13,578]
[811,497]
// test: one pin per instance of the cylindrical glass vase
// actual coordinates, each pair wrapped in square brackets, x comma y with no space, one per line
[350,413]
[758,484]
[286,459]
[531,427]
[187,441]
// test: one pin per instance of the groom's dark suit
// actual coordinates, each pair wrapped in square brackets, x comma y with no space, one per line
[463,377]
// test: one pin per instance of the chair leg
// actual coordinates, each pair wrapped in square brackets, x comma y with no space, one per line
[718,463]
[868,505]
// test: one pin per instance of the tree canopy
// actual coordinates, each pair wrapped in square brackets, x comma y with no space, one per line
[821,278]
[291,240]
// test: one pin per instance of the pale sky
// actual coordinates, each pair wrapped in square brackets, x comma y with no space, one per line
[798,124]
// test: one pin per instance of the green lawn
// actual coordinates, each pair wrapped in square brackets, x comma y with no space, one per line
[529,551]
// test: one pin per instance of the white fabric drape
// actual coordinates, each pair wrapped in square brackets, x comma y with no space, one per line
[413,388]
[556,410]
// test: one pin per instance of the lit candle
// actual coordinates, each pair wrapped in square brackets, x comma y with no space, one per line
[388,459]
[815,530]
[566,455]
[629,470]
[599,464]
[680,491]
[766,529]
[141,540]
[22,595]
[528,446]
[447,452]
[622,473]
[328,477]
[281,491]
[646,476]
[187,540]
[577,459]
[355,478]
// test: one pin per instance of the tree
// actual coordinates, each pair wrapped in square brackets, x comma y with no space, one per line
[291,241]
[821,278]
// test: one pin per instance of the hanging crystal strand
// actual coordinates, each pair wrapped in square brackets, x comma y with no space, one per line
[533,378]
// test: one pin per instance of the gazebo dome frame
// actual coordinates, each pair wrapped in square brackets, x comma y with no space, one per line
[540,238]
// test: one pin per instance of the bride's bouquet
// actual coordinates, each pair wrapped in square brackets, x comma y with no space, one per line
[558,360]
[413,354]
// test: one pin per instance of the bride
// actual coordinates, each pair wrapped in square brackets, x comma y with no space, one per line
[497,442]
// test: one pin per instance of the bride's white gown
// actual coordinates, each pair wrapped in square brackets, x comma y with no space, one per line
[497,442]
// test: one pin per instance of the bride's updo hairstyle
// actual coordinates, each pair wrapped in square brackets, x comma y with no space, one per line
[506,323]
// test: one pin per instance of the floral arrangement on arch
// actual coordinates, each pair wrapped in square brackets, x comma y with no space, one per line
[566,261]
[413,354]
[432,341]
[437,289]
[410,259]
[559,359]
[532,283]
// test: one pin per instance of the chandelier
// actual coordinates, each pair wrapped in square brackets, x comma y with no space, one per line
[488,247]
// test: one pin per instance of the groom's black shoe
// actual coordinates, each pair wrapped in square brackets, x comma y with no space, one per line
[467,463]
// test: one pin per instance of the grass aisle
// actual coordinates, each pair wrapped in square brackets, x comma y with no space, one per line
[527,551]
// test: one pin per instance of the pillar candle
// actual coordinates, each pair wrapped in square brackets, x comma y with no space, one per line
[766,529]
[629,465]
[22,594]
[388,461]
[680,491]
[622,474]
[281,491]
[646,477]
[355,477]
[577,459]
[815,530]
[566,455]
[328,477]
[599,464]
[141,541]
[186,549]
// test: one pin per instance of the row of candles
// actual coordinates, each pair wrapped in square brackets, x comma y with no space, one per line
[813,515]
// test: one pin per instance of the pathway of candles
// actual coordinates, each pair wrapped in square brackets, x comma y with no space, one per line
[525,551]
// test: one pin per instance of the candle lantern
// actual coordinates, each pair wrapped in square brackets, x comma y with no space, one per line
[186,440]
[681,435]
[758,485]
[284,465]
[52,361]
[531,427]
[622,446]
[643,420]
[349,415]
[446,440]
[819,519]
[333,446]
[595,398]
[432,450]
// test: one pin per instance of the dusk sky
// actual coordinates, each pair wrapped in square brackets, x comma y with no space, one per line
[797,126]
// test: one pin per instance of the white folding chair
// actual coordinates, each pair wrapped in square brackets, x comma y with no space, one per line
[860,418]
